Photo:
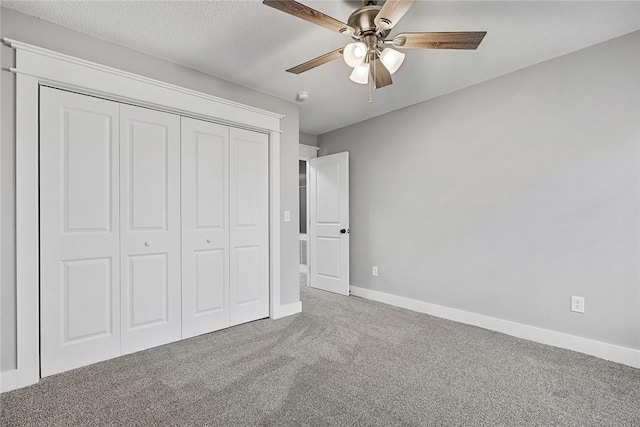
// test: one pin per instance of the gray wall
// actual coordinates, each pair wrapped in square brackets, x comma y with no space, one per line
[41,33]
[506,198]
[308,139]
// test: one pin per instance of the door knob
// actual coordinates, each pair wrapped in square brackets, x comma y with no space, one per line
[208,240]
[344,231]
[147,243]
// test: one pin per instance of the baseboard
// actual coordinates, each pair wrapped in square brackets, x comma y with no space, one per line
[14,379]
[614,353]
[287,310]
[8,380]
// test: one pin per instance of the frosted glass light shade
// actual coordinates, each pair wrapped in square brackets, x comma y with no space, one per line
[354,54]
[360,74]
[392,59]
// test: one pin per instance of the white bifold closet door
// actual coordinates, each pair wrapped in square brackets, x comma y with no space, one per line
[205,227]
[225,235]
[149,233]
[150,228]
[79,230]
[249,223]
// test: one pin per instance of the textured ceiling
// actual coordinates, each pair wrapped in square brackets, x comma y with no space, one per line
[248,43]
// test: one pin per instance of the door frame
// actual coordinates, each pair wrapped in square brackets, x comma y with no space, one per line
[37,67]
[306,153]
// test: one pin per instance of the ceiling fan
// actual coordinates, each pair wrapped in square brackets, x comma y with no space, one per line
[371,54]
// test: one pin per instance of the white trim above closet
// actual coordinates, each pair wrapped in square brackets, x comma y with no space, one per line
[37,67]
[67,72]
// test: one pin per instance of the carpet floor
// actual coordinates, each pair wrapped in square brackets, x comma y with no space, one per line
[344,361]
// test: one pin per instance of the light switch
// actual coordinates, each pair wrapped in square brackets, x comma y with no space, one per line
[287,216]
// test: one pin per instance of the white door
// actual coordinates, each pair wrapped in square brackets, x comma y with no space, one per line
[79,230]
[249,222]
[205,227]
[329,222]
[150,227]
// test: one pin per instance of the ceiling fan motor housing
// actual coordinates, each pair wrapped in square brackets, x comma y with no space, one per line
[362,21]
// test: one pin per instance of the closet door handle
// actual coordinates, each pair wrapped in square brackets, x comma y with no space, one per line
[209,240]
[147,243]
[344,231]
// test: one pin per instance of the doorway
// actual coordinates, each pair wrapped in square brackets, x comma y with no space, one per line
[324,233]
[304,240]
[306,152]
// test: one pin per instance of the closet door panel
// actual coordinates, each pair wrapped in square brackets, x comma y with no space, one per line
[211,271]
[150,228]
[249,222]
[248,265]
[148,289]
[205,227]
[79,229]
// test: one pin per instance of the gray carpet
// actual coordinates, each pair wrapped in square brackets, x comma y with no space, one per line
[345,361]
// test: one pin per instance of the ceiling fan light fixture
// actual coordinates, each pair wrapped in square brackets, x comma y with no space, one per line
[360,74]
[354,54]
[392,59]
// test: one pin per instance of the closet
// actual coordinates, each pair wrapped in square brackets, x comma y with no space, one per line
[225,235]
[153,228]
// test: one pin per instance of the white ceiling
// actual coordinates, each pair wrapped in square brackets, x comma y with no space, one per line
[251,44]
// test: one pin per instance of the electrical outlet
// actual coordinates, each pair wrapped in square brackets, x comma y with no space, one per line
[577,304]
[374,270]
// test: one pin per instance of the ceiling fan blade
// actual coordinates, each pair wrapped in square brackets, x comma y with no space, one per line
[392,11]
[308,14]
[380,74]
[456,40]
[306,66]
